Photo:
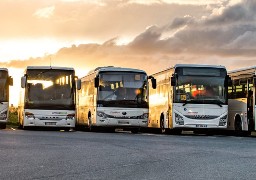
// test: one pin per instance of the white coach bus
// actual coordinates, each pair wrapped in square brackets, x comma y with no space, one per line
[113,97]
[47,97]
[189,97]
[5,82]
[242,101]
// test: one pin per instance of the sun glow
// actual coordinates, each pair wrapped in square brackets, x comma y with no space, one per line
[26,48]
[15,89]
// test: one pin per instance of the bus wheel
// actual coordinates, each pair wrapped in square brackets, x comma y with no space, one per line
[2,126]
[162,129]
[238,126]
[90,124]
[20,126]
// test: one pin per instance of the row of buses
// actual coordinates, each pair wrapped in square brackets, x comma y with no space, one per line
[184,97]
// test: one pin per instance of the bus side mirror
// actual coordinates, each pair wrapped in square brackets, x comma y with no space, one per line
[23,81]
[78,84]
[153,81]
[228,81]
[96,82]
[173,81]
[10,79]
[254,81]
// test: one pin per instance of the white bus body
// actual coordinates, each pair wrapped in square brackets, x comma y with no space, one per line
[47,97]
[189,97]
[5,82]
[113,97]
[241,116]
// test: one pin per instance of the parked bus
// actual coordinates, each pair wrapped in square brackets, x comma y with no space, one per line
[189,97]
[5,82]
[47,97]
[241,117]
[113,97]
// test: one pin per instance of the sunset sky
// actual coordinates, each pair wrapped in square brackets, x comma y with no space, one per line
[145,34]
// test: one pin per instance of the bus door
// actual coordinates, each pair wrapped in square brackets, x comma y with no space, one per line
[250,107]
[170,107]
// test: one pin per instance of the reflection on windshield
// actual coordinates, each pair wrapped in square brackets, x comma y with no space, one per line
[200,90]
[3,86]
[50,87]
[122,88]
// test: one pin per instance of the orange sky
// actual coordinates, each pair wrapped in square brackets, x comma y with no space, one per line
[146,34]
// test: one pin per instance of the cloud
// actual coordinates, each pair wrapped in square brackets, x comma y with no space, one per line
[46,12]
[225,39]
[85,20]
[220,35]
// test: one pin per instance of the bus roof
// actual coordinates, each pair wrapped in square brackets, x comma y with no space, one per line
[49,67]
[114,69]
[199,65]
[245,72]
[3,69]
[190,65]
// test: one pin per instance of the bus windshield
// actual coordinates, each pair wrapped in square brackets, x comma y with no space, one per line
[50,88]
[3,86]
[200,89]
[123,89]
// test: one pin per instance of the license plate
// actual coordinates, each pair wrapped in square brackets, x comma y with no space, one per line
[50,123]
[201,126]
[123,122]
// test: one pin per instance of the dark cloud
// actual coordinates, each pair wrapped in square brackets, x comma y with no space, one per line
[237,14]
[231,34]
[227,39]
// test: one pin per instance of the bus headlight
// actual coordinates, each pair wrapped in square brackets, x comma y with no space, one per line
[3,115]
[179,119]
[101,114]
[70,117]
[223,120]
[29,115]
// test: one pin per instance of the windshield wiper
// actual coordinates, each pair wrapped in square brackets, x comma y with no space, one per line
[217,102]
[185,103]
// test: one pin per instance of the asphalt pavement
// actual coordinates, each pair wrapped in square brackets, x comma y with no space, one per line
[122,155]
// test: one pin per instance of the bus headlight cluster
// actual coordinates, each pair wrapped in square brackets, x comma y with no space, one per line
[101,114]
[3,115]
[70,117]
[29,115]
[179,119]
[223,120]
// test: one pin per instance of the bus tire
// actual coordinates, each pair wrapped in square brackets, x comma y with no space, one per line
[162,129]
[89,124]
[238,126]
[89,121]
[3,126]
[20,126]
